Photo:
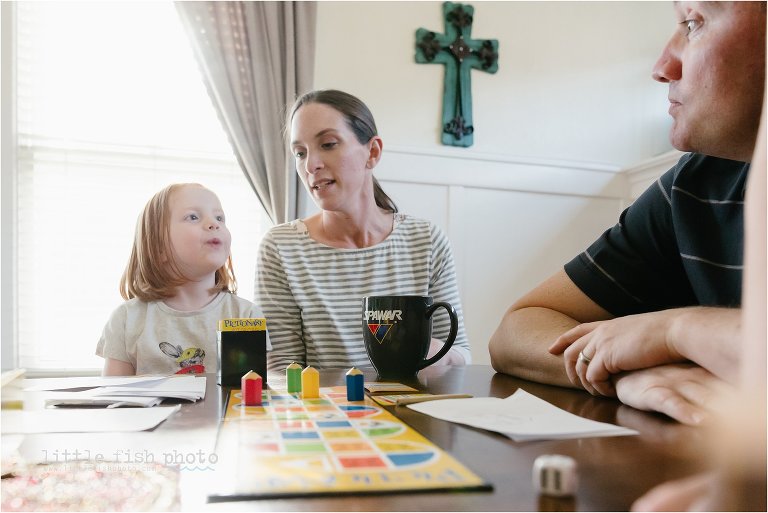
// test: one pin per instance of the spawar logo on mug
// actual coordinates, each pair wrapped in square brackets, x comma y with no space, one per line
[380,329]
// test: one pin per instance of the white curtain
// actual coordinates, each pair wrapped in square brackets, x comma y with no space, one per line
[256,57]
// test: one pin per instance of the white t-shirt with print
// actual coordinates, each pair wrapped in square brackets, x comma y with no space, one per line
[156,339]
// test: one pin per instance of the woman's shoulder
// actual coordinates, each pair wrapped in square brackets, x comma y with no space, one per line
[287,231]
[411,222]
[414,226]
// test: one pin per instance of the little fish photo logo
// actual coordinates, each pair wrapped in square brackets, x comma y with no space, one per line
[380,329]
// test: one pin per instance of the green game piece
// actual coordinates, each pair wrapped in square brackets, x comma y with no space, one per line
[293,376]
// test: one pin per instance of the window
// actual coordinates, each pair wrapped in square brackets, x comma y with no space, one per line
[110,108]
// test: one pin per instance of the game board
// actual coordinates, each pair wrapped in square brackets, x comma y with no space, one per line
[291,447]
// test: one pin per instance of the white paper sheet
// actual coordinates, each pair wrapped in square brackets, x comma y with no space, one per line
[42,384]
[87,398]
[521,417]
[189,387]
[58,420]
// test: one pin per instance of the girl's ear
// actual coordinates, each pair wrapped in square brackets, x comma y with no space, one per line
[375,147]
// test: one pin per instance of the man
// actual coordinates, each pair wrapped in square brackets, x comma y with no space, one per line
[662,288]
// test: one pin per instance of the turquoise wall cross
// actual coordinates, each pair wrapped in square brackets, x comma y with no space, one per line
[460,53]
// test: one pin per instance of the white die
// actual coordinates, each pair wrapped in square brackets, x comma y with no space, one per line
[555,475]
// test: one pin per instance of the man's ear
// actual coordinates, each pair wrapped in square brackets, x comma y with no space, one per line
[375,147]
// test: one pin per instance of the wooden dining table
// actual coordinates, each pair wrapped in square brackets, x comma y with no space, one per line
[612,471]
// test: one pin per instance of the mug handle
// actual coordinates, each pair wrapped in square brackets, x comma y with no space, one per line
[451,336]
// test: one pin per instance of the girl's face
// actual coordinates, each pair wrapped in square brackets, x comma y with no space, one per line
[199,236]
[335,168]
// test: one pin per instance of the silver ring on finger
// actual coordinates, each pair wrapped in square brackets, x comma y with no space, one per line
[584,358]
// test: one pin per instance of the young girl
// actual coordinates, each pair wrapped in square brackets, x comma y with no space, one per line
[177,285]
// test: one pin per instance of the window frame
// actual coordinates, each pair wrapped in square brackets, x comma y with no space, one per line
[8,189]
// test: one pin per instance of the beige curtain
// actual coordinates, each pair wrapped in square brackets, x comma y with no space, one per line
[256,57]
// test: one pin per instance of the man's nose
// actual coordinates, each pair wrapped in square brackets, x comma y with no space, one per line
[669,67]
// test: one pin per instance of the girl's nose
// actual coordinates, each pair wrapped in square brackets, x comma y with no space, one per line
[214,225]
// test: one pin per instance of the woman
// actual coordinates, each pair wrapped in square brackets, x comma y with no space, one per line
[313,273]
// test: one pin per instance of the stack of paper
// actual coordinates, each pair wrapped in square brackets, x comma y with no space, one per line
[67,420]
[521,417]
[113,392]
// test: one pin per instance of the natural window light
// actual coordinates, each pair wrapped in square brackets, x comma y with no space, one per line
[111,108]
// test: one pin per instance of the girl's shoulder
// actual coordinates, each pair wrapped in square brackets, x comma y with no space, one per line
[238,306]
[133,306]
[228,298]
[130,312]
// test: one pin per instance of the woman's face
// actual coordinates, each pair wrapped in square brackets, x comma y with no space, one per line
[335,168]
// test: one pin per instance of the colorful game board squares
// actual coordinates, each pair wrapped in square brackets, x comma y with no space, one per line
[375,428]
[409,459]
[327,424]
[348,462]
[315,402]
[289,415]
[249,409]
[355,411]
[287,408]
[300,435]
[296,448]
[296,424]
[321,408]
[395,446]
[328,416]
[270,448]
[340,433]
[350,446]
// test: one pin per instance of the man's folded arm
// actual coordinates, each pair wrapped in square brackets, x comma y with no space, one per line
[519,345]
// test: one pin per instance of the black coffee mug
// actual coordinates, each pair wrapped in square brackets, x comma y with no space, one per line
[397,331]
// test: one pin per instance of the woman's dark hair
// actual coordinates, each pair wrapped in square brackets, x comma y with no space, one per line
[360,121]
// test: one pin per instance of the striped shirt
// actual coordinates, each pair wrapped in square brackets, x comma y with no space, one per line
[680,244]
[311,294]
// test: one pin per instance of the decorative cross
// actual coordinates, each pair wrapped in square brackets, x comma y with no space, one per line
[460,54]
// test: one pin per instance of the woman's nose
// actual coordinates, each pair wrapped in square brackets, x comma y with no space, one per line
[314,163]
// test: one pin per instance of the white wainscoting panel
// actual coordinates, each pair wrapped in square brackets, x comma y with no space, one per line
[512,223]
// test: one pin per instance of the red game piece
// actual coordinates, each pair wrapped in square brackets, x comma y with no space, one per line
[250,386]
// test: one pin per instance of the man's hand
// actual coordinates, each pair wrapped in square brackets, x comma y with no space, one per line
[614,346]
[695,493]
[708,336]
[685,392]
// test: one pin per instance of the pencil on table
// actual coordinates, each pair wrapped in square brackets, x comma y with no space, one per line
[411,400]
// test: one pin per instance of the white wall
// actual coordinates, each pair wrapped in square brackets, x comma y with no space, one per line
[571,106]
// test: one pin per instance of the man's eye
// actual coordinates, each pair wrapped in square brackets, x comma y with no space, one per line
[690,25]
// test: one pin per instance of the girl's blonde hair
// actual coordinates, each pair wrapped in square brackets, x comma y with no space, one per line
[152,272]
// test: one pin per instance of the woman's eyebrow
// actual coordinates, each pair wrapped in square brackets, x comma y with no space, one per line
[317,135]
